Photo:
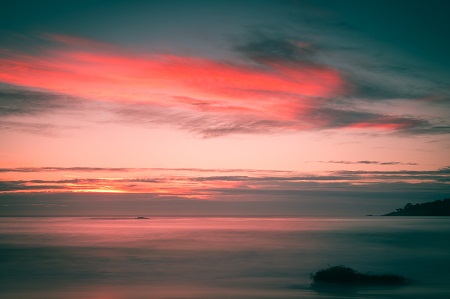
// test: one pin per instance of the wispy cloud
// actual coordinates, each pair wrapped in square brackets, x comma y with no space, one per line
[20,100]
[368,162]
[279,84]
[130,169]
[36,128]
[192,184]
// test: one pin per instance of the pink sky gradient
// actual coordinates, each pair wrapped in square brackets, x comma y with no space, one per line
[200,116]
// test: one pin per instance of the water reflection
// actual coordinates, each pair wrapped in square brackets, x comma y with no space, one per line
[215,257]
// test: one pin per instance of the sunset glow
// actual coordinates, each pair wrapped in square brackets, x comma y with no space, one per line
[177,105]
[215,149]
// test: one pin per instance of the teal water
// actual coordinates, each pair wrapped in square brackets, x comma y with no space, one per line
[207,257]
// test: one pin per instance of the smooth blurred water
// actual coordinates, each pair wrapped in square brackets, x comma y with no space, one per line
[201,257]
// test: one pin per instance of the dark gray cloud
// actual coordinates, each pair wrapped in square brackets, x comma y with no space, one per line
[430,130]
[440,175]
[315,178]
[207,125]
[339,190]
[15,100]
[370,70]
[261,48]
[318,118]
[380,77]
[337,118]
[259,180]
[368,162]
[346,176]
[11,186]
[443,171]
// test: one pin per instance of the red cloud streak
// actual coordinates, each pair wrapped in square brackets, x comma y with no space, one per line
[288,93]
[92,70]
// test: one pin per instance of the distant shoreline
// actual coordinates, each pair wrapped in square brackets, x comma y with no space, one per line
[440,208]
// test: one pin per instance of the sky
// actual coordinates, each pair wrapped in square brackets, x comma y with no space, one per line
[223,107]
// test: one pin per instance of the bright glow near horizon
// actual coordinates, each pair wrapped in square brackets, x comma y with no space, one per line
[210,112]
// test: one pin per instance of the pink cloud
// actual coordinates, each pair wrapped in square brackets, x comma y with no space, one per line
[239,97]
[92,70]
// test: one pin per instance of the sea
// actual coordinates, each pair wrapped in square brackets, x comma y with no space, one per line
[218,257]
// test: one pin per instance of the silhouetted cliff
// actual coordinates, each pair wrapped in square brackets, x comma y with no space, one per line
[435,208]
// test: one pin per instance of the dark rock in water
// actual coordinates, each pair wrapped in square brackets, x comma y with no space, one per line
[141,217]
[345,276]
[435,208]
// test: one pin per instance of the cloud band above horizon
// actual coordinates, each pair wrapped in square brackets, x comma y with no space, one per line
[265,92]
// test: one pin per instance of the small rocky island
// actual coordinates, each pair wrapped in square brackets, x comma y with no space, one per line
[435,208]
[345,276]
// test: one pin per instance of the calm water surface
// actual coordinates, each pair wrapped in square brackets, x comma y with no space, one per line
[201,257]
